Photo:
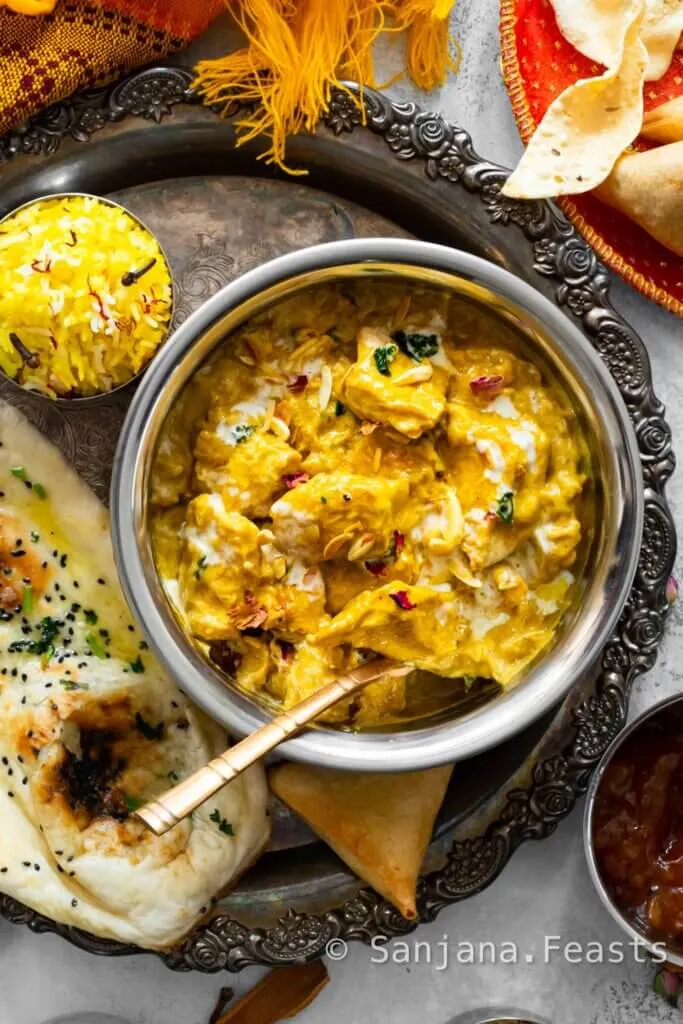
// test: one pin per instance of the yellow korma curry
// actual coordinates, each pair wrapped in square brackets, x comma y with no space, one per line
[368,468]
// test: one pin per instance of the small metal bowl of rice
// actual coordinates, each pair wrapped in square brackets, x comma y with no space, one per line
[86,296]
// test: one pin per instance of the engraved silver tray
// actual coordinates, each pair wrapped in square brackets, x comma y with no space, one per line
[218,211]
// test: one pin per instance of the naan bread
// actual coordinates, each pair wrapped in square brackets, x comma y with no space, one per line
[595,28]
[587,127]
[90,727]
[379,824]
[648,188]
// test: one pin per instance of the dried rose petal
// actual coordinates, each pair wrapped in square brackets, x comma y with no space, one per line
[399,541]
[225,657]
[291,480]
[376,568]
[286,650]
[672,590]
[482,385]
[252,620]
[298,384]
[400,597]
[249,615]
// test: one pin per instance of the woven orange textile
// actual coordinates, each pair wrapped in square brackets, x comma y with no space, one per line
[45,58]
[538,64]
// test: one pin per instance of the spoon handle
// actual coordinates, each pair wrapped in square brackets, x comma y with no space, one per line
[175,804]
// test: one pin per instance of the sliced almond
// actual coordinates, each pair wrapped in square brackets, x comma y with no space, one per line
[415,375]
[266,537]
[361,547]
[312,345]
[454,518]
[279,428]
[506,578]
[367,428]
[270,412]
[273,376]
[459,567]
[453,529]
[402,311]
[335,545]
[279,567]
[325,392]
[283,411]
[311,575]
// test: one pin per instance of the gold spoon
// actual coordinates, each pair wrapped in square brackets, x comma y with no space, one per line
[175,804]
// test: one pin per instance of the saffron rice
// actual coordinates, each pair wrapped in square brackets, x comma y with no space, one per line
[69,325]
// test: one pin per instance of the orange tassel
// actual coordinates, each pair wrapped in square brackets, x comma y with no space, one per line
[298,51]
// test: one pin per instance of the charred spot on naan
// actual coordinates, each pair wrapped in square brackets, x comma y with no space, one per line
[105,754]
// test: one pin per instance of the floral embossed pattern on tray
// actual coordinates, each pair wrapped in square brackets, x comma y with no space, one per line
[557,255]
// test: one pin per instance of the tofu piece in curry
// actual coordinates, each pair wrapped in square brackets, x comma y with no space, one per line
[370,468]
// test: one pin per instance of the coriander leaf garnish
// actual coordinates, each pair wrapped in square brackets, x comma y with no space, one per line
[49,628]
[339,408]
[132,803]
[90,617]
[417,345]
[402,600]
[20,473]
[201,564]
[34,537]
[505,508]
[95,646]
[384,357]
[240,432]
[27,600]
[223,826]
[138,665]
[71,684]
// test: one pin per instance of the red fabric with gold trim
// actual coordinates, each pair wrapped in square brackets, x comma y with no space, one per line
[538,64]
[46,57]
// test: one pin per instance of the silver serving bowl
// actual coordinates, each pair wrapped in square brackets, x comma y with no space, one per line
[497,1016]
[85,401]
[636,929]
[548,337]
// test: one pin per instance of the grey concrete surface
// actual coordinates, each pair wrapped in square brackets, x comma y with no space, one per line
[545,891]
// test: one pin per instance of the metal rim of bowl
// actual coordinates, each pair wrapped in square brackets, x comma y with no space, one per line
[494,1015]
[652,945]
[400,750]
[71,403]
